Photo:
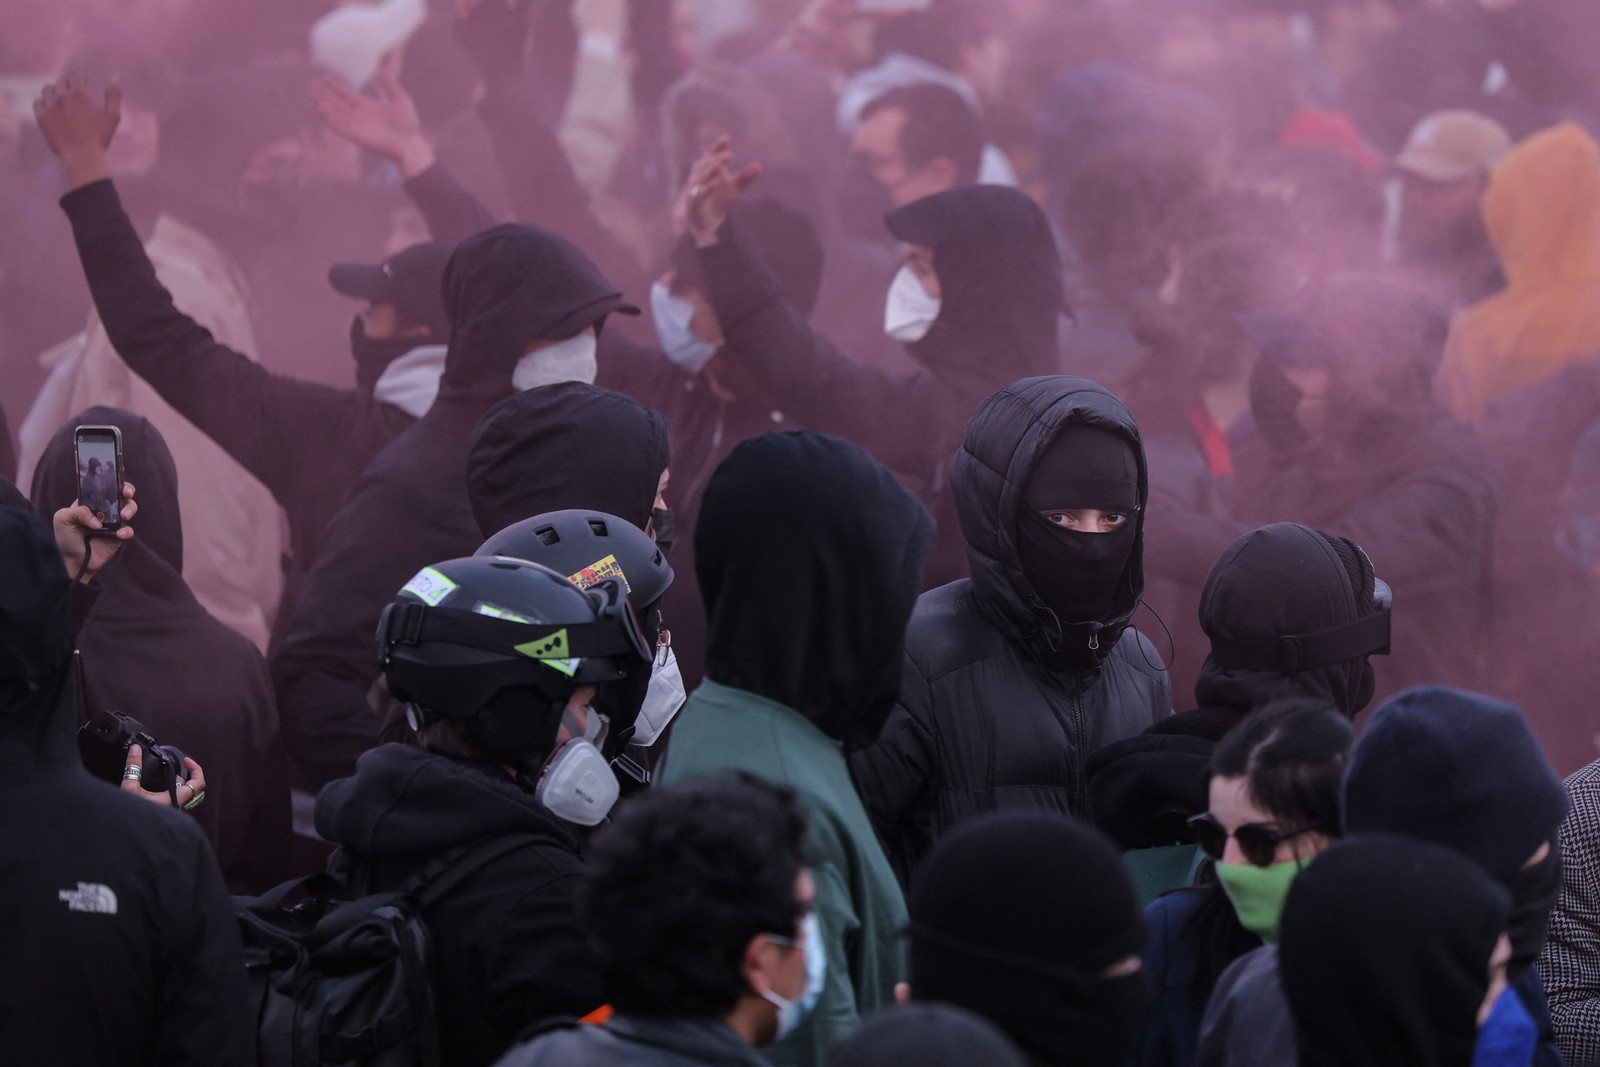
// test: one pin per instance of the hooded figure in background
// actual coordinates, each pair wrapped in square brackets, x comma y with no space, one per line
[977,306]
[1387,954]
[1542,212]
[150,650]
[525,307]
[1341,396]
[1014,676]
[123,947]
[809,556]
[1056,965]
[1283,581]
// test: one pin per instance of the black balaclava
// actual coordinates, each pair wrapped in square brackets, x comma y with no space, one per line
[1385,951]
[1464,770]
[1035,964]
[374,354]
[1078,574]
[810,557]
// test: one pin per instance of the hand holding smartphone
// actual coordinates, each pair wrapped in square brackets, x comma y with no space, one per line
[97,451]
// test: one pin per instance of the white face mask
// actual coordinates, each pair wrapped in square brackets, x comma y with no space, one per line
[571,360]
[910,312]
[578,785]
[680,343]
[791,1013]
[662,700]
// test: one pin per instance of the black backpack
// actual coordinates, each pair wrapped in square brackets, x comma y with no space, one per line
[340,977]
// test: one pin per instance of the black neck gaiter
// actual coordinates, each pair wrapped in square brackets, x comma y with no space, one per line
[373,356]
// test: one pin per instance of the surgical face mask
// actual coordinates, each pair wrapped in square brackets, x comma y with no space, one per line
[578,786]
[910,312]
[791,1013]
[662,700]
[572,360]
[682,345]
[1257,894]
[1508,1036]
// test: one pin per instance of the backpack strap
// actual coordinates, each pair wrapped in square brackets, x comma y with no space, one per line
[437,878]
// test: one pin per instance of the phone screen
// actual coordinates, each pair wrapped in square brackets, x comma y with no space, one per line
[99,481]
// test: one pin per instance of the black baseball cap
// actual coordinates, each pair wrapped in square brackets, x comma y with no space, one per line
[411,281]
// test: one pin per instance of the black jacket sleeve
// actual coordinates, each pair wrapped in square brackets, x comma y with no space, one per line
[249,411]
[816,383]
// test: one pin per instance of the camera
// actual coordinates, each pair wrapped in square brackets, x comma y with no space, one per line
[104,740]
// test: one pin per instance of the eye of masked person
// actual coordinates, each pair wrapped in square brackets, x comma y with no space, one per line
[1087,520]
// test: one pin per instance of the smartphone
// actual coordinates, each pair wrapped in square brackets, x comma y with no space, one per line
[98,453]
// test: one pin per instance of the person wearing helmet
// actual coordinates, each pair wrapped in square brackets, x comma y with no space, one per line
[498,662]
[589,547]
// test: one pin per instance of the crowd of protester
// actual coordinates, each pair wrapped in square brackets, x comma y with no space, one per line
[1051,532]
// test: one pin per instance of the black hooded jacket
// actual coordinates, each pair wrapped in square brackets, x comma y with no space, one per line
[150,650]
[1000,275]
[306,442]
[121,947]
[987,720]
[507,946]
[503,288]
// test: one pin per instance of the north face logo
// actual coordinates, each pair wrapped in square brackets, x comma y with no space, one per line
[90,897]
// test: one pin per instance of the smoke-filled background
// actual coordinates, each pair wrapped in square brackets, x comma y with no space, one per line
[1341,259]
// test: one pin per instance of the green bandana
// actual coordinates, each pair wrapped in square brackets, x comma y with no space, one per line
[1257,894]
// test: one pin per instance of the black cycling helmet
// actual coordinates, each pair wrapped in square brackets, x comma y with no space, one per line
[500,645]
[588,546]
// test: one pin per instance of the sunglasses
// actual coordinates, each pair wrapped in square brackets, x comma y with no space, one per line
[1257,840]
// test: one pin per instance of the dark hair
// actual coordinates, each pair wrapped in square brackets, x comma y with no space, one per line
[680,882]
[1292,755]
[939,122]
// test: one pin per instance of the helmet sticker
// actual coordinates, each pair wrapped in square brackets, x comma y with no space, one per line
[551,652]
[599,571]
[483,607]
[430,587]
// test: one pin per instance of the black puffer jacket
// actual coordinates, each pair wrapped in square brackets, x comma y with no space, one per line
[986,720]
[507,947]
[502,289]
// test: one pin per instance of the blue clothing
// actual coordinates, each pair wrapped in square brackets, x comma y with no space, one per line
[1172,1030]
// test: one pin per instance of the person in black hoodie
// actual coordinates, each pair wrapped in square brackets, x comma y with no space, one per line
[145,621]
[1014,676]
[702,384]
[122,948]
[977,305]
[245,408]
[525,307]
[480,650]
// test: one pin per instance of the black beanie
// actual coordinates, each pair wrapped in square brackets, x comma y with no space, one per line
[1085,466]
[1459,769]
[927,1035]
[1017,916]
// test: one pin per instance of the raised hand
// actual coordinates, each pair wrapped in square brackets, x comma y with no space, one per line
[78,127]
[385,124]
[75,528]
[711,191]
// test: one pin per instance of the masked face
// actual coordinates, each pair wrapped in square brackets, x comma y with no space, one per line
[674,317]
[791,1013]
[1533,896]
[1075,573]
[1289,405]
[910,310]
[571,360]
[374,354]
